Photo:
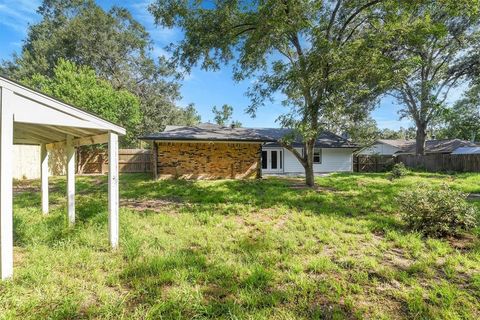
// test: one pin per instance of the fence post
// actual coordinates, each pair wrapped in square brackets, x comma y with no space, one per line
[100,158]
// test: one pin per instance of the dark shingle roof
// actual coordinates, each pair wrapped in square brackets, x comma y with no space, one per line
[397,143]
[438,146]
[213,132]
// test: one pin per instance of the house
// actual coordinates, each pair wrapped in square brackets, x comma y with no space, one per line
[467,150]
[445,146]
[386,147]
[210,151]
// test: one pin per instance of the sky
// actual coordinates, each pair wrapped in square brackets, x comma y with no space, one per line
[204,89]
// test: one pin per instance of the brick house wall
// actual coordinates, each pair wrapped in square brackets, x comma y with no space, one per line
[209,160]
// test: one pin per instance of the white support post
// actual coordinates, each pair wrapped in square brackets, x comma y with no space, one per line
[6,184]
[44,175]
[70,181]
[113,197]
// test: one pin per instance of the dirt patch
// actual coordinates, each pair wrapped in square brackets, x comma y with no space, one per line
[156,205]
[463,243]
[25,188]
[474,196]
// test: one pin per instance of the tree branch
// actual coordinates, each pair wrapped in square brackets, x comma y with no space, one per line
[354,15]
[332,19]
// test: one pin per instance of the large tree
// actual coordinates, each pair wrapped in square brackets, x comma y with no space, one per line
[81,87]
[323,56]
[462,120]
[114,45]
[436,37]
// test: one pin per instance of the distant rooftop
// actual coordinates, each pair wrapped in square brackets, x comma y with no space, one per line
[398,143]
[214,132]
[438,146]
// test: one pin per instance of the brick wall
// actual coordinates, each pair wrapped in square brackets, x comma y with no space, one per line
[208,160]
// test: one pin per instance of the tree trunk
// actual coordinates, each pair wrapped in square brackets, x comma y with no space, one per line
[309,176]
[420,139]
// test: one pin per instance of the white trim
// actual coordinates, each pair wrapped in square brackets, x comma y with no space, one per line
[70,181]
[97,139]
[6,184]
[49,102]
[280,163]
[113,201]
[44,177]
[321,155]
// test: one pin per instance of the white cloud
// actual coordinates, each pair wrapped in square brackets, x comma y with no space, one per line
[163,36]
[17,15]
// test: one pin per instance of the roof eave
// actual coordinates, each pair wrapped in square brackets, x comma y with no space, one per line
[203,140]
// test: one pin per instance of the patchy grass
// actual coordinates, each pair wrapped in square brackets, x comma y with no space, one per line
[239,249]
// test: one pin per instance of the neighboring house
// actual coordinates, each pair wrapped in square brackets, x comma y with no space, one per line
[445,146]
[386,147]
[211,151]
[467,150]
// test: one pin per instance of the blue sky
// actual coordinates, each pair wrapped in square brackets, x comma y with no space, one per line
[204,89]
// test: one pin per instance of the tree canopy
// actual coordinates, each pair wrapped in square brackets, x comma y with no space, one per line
[114,45]
[79,86]
[462,120]
[223,116]
[324,57]
[435,43]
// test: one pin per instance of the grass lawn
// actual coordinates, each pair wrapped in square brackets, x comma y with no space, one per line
[267,249]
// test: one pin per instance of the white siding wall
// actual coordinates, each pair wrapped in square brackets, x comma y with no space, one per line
[379,149]
[333,159]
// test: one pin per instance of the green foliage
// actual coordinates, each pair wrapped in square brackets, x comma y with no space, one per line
[114,45]
[432,36]
[437,212]
[326,61]
[398,171]
[462,120]
[80,87]
[224,115]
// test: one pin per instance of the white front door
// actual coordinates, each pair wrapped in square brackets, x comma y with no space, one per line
[272,160]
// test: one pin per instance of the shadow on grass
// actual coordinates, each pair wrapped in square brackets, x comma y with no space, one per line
[340,195]
[31,226]
[185,284]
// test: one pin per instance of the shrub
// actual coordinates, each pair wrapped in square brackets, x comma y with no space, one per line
[438,212]
[399,170]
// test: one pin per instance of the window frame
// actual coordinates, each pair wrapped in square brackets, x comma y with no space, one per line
[320,153]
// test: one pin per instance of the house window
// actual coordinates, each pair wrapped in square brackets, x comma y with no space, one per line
[317,155]
[274,159]
[264,160]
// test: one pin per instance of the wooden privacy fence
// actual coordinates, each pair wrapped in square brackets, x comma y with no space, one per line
[442,162]
[374,163]
[129,161]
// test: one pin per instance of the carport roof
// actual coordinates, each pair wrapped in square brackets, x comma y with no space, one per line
[39,118]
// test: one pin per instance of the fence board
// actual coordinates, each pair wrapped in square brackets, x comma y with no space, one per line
[372,163]
[442,162]
[129,161]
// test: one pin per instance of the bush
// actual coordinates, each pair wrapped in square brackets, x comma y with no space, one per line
[399,170]
[439,212]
